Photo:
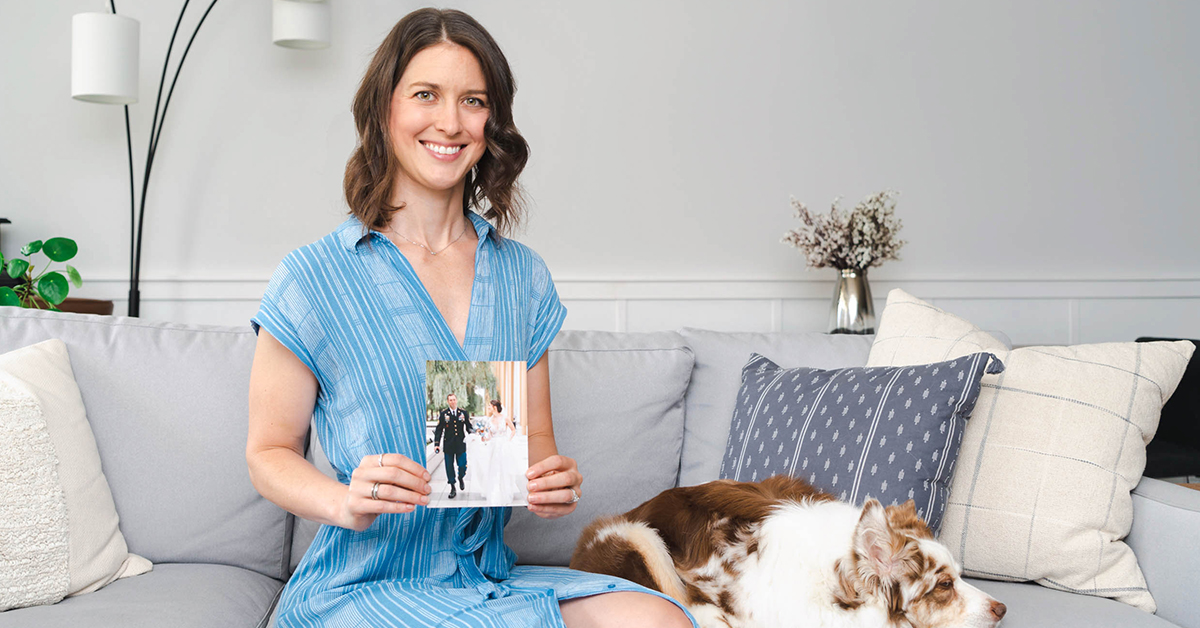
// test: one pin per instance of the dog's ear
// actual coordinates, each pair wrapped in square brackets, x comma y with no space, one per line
[878,549]
[904,519]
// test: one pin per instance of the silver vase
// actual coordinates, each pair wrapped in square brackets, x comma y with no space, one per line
[852,310]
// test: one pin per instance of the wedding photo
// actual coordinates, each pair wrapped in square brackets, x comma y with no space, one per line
[476,444]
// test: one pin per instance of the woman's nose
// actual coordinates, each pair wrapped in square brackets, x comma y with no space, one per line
[447,120]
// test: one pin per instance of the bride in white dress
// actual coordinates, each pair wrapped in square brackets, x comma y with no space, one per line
[500,486]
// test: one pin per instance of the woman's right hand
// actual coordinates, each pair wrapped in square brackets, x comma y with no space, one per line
[402,485]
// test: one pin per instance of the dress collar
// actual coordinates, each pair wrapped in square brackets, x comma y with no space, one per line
[351,232]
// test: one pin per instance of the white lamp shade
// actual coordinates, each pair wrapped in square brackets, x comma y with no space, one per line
[300,24]
[104,58]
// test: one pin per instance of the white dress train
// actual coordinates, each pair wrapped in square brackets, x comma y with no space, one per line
[500,483]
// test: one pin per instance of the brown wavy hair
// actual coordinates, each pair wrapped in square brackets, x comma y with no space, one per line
[491,186]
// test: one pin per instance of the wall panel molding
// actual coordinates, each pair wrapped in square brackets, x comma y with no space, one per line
[658,289]
[1029,311]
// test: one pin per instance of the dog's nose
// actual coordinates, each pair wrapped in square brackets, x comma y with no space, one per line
[998,610]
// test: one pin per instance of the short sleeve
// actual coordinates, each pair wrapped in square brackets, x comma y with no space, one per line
[284,311]
[547,315]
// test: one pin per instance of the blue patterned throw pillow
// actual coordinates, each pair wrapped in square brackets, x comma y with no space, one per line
[891,433]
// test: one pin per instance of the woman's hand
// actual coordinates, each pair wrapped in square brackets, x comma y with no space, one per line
[383,483]
[553,487]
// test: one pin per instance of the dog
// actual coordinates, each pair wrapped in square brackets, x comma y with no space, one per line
[781,553]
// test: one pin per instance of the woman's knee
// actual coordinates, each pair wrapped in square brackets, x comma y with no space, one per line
[624,609]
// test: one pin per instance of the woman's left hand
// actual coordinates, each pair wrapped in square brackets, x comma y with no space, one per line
[554,485]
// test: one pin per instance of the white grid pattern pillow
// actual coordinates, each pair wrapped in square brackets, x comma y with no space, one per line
[1056,444]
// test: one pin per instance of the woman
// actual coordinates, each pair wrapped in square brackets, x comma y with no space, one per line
[500,481]
[345,328]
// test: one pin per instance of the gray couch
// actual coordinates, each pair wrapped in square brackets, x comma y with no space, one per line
[640,413]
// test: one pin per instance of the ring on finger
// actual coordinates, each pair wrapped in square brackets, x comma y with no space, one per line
[375,491]
[574,495]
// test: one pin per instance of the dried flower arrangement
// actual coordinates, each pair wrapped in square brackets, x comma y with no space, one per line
[864,237]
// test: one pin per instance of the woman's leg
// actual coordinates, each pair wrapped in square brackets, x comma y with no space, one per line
[622,609]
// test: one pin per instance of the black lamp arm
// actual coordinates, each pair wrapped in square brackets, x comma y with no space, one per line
[137,219]
[134,296]
[156,131]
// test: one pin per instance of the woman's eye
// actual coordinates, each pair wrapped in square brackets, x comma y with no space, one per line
[424,96]
[474,102]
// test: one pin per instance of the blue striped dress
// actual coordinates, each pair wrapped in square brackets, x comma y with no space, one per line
[353,310]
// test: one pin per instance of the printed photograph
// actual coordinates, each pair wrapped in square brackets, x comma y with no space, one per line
[476,435]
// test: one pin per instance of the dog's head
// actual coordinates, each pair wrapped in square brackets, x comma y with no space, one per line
[897,566]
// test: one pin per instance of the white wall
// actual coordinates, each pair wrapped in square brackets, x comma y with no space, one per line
[1047,154]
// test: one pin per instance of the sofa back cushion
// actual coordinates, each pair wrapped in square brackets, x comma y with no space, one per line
[1042,490]
[889,433]
[168,405]
[712,392]
[618,402]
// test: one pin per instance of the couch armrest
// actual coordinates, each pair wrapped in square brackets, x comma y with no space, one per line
[1166,541]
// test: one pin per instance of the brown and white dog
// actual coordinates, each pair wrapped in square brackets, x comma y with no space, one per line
[781,553]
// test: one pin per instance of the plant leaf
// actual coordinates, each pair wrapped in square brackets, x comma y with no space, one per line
[74,276]
[53,287]
[17,268]
[31,248]
[60,249]
[8,297]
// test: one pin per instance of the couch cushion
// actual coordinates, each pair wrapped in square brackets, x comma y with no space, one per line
[168,405]
[1033,606]
[713,388]
[1165,518]
[891,433]
[176,595]
[617,400]
[58,515]
[1048,462]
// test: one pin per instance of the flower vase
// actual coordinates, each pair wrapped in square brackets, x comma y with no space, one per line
[852,310]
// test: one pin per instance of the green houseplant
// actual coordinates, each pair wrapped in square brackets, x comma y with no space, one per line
[47,289]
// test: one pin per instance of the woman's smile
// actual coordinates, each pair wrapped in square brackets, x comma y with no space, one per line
[443,152]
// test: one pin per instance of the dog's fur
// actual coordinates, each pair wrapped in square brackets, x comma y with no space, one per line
[781,553]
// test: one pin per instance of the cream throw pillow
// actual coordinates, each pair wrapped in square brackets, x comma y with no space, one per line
[1055,445]
[42,411]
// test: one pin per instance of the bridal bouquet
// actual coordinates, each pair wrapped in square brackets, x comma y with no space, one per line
[859,239]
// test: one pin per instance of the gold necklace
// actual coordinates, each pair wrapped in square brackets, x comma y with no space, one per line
[429,250]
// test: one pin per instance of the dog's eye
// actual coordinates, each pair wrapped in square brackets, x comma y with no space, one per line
[946,584]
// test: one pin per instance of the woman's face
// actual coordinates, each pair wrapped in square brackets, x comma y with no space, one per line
[437,117]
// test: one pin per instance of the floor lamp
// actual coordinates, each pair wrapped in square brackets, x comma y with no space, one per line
[104,69]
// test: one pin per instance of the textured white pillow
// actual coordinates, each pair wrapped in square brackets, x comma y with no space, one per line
[34,552]
[1055,445]
[40,375]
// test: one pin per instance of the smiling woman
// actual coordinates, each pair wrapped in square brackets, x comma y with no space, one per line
[348,324]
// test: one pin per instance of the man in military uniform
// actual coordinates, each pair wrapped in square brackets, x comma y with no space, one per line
[455,424]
